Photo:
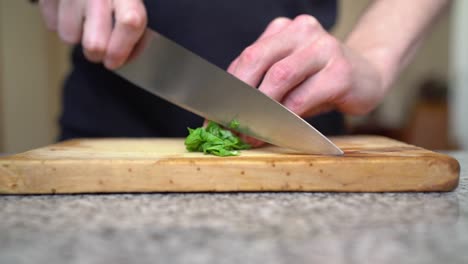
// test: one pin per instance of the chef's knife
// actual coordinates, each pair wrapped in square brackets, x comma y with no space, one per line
[181,77]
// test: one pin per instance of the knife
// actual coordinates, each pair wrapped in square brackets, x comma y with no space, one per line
[168,70]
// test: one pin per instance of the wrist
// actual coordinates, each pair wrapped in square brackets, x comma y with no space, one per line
[384,63]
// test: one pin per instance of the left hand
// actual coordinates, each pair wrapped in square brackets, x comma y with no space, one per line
[299,64]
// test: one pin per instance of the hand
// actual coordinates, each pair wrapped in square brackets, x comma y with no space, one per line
[91,23]
[298,63]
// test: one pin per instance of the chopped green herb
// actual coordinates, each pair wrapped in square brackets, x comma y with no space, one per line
[215,140]
[234,124]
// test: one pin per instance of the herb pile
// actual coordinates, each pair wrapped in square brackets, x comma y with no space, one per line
[215,140]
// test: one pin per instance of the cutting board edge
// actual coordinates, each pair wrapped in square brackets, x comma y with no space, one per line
[277,176]
[443,170]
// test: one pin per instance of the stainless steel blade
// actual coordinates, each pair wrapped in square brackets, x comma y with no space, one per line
[181,77]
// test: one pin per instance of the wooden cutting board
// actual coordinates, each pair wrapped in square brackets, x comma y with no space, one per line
[370,164]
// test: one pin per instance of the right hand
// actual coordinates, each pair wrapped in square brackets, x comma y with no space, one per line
[90,22]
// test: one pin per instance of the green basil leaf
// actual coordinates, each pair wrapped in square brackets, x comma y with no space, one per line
[215,140]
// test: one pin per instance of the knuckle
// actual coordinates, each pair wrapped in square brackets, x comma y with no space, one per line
[252,54]
[281,72]
[280,21]
[307,22]
[133,19]
[329,42]
[295,103]
[329,45]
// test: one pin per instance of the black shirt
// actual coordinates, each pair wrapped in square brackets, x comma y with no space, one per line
[98,103]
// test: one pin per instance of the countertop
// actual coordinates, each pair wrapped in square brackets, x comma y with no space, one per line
[238,227]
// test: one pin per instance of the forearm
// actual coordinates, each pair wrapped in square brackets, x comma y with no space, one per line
[390,31]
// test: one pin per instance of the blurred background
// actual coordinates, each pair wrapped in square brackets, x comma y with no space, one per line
[425,108]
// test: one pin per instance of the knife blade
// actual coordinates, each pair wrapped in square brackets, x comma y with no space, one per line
[168,70]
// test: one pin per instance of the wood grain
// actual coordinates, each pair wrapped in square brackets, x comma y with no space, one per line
[370,164]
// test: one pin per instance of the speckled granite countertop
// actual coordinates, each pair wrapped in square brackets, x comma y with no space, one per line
[238,228]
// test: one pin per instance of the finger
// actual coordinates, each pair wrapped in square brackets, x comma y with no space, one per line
[130,25]
[288,73]
[258,58]
[70,21]
[255,143]
[232,68]
[49,10]
[97,28]
[315,95]
[139,46]
[274,27]
[327,88]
